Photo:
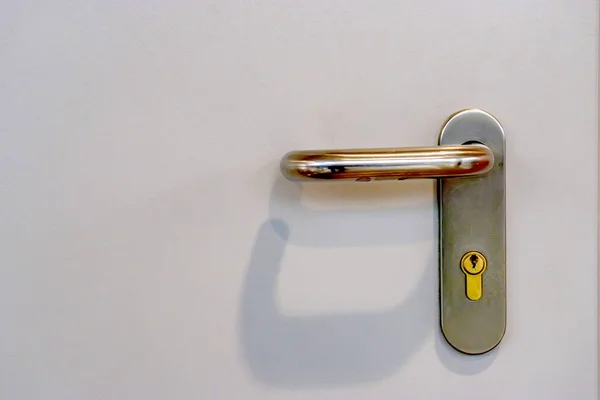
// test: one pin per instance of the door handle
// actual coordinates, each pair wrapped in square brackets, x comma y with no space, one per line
[364,165]
[469,163]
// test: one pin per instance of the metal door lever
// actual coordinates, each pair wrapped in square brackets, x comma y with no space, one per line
[364,165]
[469,163]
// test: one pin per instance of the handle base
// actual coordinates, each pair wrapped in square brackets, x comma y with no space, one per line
[472,214]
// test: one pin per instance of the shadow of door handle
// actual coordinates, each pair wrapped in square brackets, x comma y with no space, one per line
[469,163]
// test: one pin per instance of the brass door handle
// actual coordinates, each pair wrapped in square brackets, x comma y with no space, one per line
[469,163]
[364,165]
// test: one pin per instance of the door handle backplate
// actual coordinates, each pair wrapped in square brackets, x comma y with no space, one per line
[469,163]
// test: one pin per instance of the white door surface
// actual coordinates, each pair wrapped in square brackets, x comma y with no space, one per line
[151,249]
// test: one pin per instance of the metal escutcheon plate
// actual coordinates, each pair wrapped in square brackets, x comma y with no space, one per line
[472,218]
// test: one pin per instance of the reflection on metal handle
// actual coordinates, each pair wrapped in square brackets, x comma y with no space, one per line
[396,163]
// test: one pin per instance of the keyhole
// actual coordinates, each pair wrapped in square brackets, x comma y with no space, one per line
[474,259]
[473,265]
